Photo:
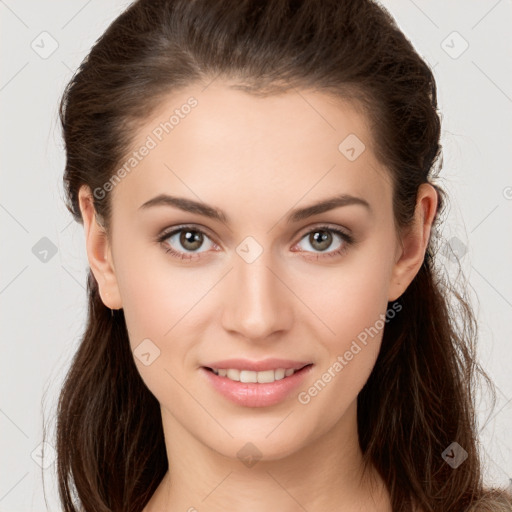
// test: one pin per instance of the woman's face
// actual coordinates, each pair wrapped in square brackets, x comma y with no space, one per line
[265,277]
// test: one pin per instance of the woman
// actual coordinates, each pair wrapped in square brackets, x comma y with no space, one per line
[267,329]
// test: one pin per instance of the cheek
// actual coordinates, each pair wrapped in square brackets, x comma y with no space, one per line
[353,307]
[158,304]
[356,315]
[155,293]
[357,321]
[351,297]
[165,305]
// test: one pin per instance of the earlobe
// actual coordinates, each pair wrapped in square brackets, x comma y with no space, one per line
[98,251]
[414,242]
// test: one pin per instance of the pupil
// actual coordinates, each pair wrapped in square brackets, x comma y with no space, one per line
[193,238]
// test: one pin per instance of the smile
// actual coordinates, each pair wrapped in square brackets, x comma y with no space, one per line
[250,388]
[252,376]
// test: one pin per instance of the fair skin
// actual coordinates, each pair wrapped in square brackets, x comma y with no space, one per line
[256,159]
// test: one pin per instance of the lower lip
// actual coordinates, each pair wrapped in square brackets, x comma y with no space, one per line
[253,394]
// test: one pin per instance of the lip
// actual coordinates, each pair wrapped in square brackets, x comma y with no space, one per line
[253,394]
[257,366]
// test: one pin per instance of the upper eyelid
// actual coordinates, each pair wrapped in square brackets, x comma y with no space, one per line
[166,233]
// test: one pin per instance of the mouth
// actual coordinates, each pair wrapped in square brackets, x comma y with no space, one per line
[250,388]
[260,377]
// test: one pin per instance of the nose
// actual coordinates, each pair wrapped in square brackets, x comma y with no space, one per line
[257,302]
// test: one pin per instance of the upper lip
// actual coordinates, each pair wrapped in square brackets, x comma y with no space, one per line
[257,366]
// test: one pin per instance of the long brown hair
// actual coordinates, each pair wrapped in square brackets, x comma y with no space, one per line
[420,395]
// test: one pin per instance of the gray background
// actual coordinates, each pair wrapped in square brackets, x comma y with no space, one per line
[42,294]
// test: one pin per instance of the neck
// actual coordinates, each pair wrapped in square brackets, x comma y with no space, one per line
[325,474]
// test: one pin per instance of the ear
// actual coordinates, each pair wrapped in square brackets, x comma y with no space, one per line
[98,251]
[413,242]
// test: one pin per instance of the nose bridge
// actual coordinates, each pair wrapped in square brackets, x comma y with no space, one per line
[257,304]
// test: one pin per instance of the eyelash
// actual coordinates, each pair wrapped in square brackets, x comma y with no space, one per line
[346,238]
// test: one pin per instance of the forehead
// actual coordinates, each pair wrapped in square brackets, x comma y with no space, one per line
[222,145]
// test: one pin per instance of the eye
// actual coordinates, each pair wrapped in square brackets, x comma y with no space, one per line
[187,238]
[321,238]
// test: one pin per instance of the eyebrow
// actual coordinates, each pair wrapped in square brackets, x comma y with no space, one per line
[296,215]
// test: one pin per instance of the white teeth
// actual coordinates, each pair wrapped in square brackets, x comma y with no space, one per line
[280,373]
[252,376]
[248,376]
[233,374]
